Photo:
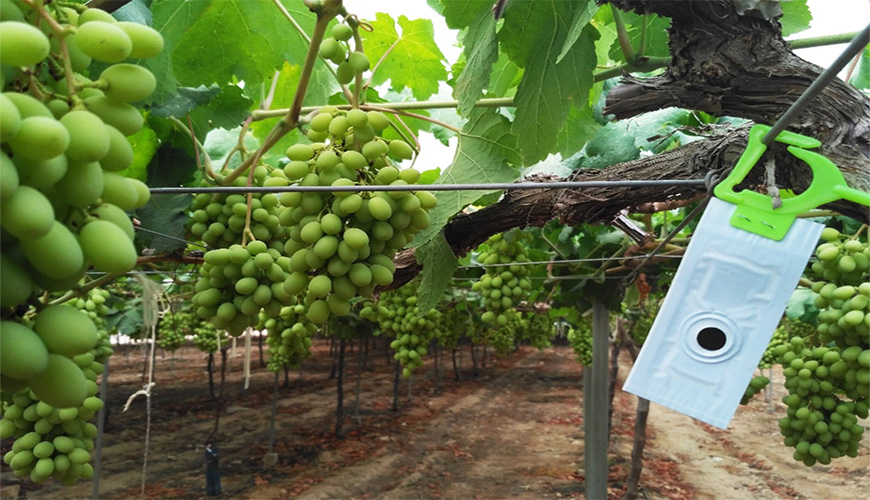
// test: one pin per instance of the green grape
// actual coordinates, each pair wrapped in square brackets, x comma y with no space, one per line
[9,178]
[27,105]
[580,338]
[89,138]
[27,214]
[81,185]
[358,62]
[119,191]
[10,118]
[342,32]
[90,15]
[22,353]
[39,138]
[345,73]
[120,115]
[107,247]
[16,286]
[115,215]
[146,41]
[128,82]
[120,153]
[57,254]
[22,44]
[104,41]
[61,384]
[41,174]
[65,330]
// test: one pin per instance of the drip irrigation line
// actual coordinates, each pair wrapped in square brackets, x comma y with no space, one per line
[433,187]
[823,80]
[574,261]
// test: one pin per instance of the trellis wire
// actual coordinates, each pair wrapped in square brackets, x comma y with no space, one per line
[573,261]
[855,46]
[433,187]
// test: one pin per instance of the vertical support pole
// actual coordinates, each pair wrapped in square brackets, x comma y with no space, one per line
[595,406]
[101,423]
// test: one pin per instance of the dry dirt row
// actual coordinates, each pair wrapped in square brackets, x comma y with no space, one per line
[513,432]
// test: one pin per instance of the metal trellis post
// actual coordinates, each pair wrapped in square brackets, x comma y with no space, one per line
[595,406]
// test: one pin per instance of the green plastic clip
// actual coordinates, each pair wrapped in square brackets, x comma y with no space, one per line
[755,212]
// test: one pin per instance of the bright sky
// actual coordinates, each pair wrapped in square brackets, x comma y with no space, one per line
[829,17]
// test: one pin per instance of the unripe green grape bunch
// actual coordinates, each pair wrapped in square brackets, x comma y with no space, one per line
[207,338]
[289,337]
[218,219]
[173,329]
[62,203]
[842,272]
[236,283]
[821,421]
[336,48]
[580,338]
[756,385]
[787,329]
[48,417]
[341,244]
[505,280]
[536,329]
[397,315]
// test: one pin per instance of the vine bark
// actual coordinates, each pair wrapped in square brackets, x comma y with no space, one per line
[724,61]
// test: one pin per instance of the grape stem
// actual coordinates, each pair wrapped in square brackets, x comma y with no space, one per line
[622,36]
[61,34]
[358,45]
[83,290]
[291,117]
[203,164]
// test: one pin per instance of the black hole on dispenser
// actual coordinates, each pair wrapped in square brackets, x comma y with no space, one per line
[711,339]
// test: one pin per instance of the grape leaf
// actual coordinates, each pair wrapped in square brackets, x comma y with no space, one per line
[795,18]
[481,51]
[656,35]
[528,24]
[414,60]
[505,76]
[216,41]
[144,144]
[579,128]
[861,77]
[460,13]
[166,214]
[486,153]
[185,100]
[584,13]
[548,89]
[137,11]
[439,263]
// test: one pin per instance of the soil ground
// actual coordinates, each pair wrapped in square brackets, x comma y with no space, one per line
[513,432]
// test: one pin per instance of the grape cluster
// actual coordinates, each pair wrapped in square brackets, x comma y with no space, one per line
[843,288]
[336,49]
[536,330]
[580,338]
[819,424]
[94,305]
[787,329]
[505,279]
[62,203]
[173,329]
[218,219]
[235,283]
[341,244]
[48,419]
[756,385]
[207,338]
[397,314]
[289,337]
